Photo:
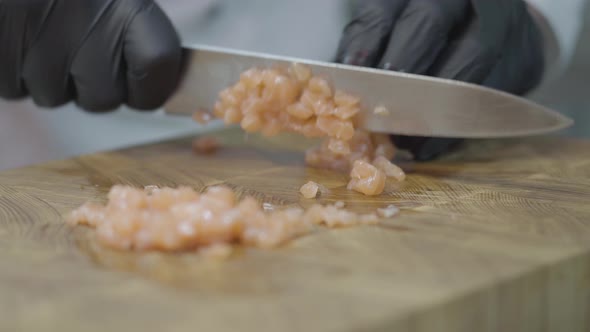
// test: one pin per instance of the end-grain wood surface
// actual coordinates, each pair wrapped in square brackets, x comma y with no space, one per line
[493,238]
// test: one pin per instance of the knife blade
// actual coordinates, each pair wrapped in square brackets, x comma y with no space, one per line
[393,102]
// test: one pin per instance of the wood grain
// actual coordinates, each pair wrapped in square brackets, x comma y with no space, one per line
[493,238]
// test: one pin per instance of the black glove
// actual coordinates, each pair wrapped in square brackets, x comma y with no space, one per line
[100,53]
[496,43]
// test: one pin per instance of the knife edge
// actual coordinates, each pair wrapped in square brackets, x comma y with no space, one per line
[417,105]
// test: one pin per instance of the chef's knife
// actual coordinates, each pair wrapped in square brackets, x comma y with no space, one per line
[393,102]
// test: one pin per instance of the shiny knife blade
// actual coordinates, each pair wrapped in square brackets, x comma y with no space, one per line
[396,103]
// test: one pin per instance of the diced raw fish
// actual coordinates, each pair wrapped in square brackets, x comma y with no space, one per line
[310,190]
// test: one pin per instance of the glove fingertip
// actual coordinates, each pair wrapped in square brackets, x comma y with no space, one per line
[54,99]
[154,58]
[426,148]
[151,86]
[12,93]
[97,105]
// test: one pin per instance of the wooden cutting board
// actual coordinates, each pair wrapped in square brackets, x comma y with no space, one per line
[493,238]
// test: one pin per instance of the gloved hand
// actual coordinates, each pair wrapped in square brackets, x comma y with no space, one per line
[99,53]
[496,43]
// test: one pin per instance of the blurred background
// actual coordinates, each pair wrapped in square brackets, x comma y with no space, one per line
[29,135]
[570,93]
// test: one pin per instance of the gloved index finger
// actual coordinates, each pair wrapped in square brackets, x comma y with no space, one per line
[364,38]
[421,33]
[493,17]
[469,58]
[153,54]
